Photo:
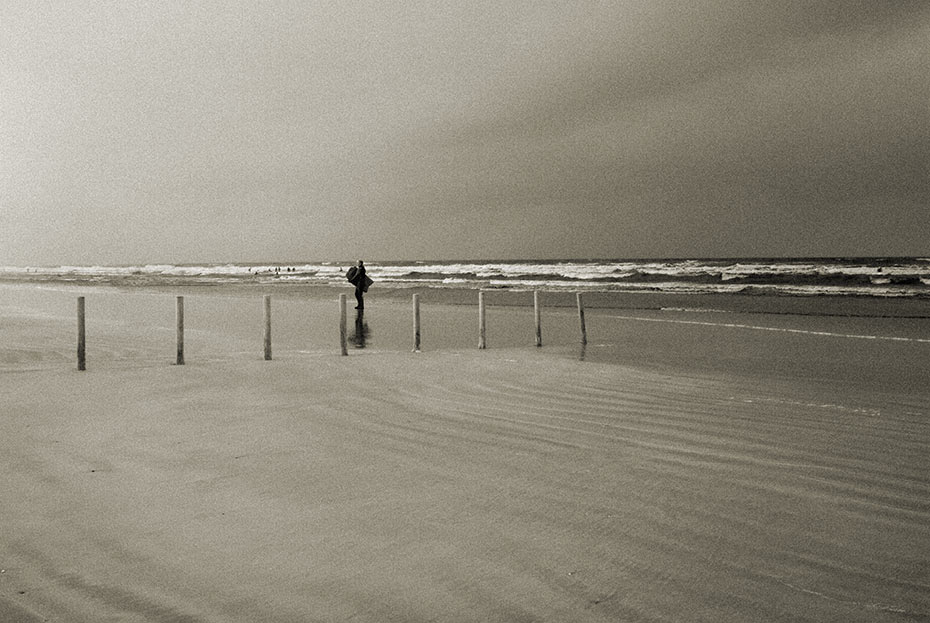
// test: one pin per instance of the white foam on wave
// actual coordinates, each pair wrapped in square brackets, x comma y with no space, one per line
[674,276]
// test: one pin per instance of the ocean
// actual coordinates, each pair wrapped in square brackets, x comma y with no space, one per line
[907,277]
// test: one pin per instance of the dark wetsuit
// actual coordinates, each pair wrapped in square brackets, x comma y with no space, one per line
[359,285]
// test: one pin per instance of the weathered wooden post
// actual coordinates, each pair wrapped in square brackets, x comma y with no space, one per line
[343,337]
[536,313]
[416,323]
[482,326]
[267,300]
[179,315]
[584,333]
[82,364]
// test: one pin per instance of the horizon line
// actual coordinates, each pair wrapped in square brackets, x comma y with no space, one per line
[791,258]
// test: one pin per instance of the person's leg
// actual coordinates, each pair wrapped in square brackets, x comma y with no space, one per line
[358,298]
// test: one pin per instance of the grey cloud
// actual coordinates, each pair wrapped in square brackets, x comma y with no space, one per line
[648,121]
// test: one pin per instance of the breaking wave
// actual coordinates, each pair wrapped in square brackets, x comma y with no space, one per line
[883,277]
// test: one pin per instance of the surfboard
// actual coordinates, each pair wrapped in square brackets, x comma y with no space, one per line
[352,277]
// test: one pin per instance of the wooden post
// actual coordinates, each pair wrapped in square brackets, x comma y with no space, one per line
[343,338]
[267,300]
[536,311]
[179,314]
[416,323]
[82,364]
[482,325]
[584,333]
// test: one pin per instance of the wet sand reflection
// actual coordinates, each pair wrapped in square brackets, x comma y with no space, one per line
[362,332]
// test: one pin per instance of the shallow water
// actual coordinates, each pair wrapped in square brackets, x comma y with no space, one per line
[880,345]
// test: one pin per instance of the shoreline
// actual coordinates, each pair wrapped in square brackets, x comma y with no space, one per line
[762,303]
[878,345]
[679,464]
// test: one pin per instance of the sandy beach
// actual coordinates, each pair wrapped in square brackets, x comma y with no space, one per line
[687,465]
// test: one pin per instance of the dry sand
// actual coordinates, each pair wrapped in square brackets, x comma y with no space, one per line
[513,484]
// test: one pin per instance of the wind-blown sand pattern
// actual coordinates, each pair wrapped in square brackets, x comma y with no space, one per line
[512,484]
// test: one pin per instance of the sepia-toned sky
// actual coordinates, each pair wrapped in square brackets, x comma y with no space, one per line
[236,130]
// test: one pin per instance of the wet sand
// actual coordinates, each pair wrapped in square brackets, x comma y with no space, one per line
[694,466]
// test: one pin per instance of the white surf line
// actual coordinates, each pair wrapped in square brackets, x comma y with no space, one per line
[731,325]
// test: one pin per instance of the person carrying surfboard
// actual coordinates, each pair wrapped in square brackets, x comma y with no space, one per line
[356,276]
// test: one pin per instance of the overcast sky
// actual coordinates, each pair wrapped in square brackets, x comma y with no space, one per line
[178,131]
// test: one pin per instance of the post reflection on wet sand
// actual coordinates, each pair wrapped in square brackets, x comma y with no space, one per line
[362,332]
